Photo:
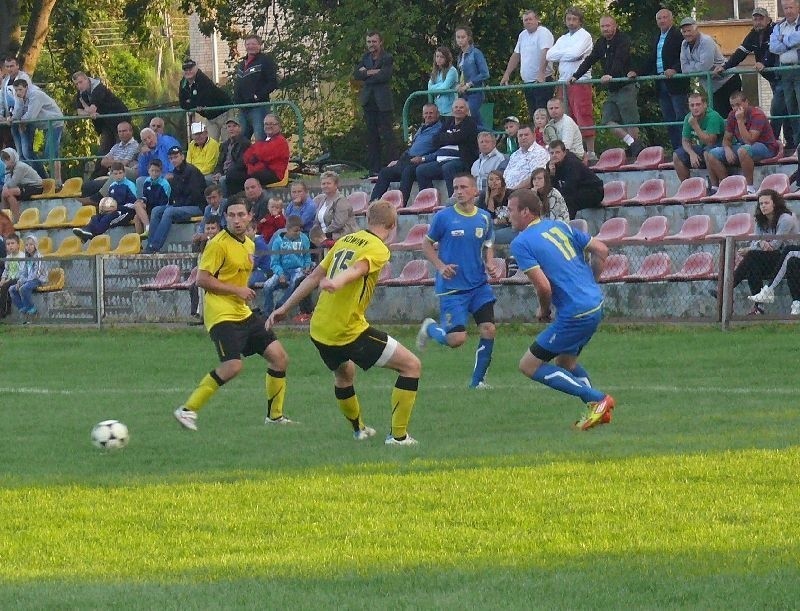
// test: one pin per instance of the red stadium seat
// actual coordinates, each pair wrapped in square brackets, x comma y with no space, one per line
[394,197]
[653,229]
[386,274]
[610,160]
[614,193]
[731,189]
[651,192]
[691,190]
[736,225]
[613,230]
[648,159]
[414,272]
[413,240]
[616,268]
[698,266]
[519,277]
[501,268]
[580,225]
[358,199]
[655,266]
[190,281]
[165,278]
[425,201]
[696,227]
[777,182]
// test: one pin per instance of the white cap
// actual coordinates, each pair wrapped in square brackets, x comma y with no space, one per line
[197,128]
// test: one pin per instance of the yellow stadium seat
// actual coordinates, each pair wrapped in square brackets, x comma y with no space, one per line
[69,247]
[129,244]
[7,212]
[282,182]
[45,245]
[55,281]
[28,219]
[71,188]
[82,216]
[49,186]
[98,245]
[57,217]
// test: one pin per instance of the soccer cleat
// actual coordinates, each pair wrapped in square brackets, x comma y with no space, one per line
[765,295]
[599,413]
[422,334]
[795,311]
[481,386]
[281,420]
[186,417]
[408,440]
[301,319]
[364,433]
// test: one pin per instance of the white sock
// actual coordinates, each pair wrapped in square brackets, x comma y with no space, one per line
[628,139]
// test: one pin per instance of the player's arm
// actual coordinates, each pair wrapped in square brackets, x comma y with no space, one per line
[445,269]
[491,268]
[209,283]
[304,289]
[599,252]
[544,292]
[357,270]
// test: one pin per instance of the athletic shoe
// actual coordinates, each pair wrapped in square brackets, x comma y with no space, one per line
[635,148]
[408,440]
[481,386]
[765,295]
[302,319]
[591,156]
[596,413]
[422,334]
[186,417]
[364,433]
[84,235]
[144,235]
[795,311]
[32,311]
[751,190]
[281,420]
[756,310]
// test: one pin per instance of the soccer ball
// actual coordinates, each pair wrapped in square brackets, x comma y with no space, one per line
[110,435]
[108,204]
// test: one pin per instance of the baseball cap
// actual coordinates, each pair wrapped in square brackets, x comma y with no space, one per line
[189,63]
[234,118]
[761,11]
[173,150]
[688,21]
[197,128]
[511,118]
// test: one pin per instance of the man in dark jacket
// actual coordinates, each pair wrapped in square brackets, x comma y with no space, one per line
[231,171]
[188,194]
[197,93]
[613,50]
[664,59]
[256,77]
[94,100]
[580,187]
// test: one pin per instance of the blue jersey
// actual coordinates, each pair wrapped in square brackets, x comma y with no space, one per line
[557,249]
[461,239]
[123,192]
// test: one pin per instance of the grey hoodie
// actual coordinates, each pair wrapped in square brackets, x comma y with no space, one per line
[33,266]
[37,106]
[20,174]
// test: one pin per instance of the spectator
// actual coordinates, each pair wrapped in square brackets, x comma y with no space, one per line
[375,97]
[443,76]
[543,131]
[32,275]
[126,151]
[703,128]
[784,41]
[404,169]
[156,191]
[95,100]
[494,199]
[566,129]
[335,216]
[21,182]
[11,272]
[267,160]
[553,205]
[569,51]
[748,138]
[203,151]
[230,164]
[254,79]
[580,186]
[525,160]
[613,48]
[154,146]
[212,227]
[22,135]
[198,94]
[290,263]
[157,125]
[110,214]
[257,199]
[188,186]
[457,149]
[214,210]
[700,53]
[664,58]
[507,143]
[530,54]
[273,221]
[301,205]
[489,159]
[474,72]
[33,104]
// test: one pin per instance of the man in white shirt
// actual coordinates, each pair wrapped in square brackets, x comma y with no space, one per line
[569,51]
[530,55]
[529,157]
[489,159]
[785,43]
[566,129]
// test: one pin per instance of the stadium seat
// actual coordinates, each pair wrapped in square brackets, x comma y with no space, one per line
[190,281]
[731,189]
[57,217]
[359,201]
[55,281]
[655,266]
[519,277]
[386,274]
[414,238]
[613,230]
[616,268]
[698,266]
[667,165]
[165,278]
[736,225]
[45,245]
[777,182]
[653,229]
[82,217]
[614,193]
[610,160]
[691,190]
[501,267]
[650,192]
[648,159]
[414,272]
[70,188]
[282,182]
[394,197]
[28,219]
[69,247]
[425,201]
[696,227]
[98,245]
[790,159]
[49,189]
[7,212]
[129,244]
[580,225]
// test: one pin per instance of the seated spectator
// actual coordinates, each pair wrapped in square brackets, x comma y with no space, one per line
[443,76]
[154,146]
[188,185]
[230,164]
[553,205]
[507,143]
[211,227]
[268,159]
[494,199]
[748,138]
[290,263]
[203,151]
[33,104]
[703,128]
[790,269]
[109,215]
[404,169]
[95,100]
[489,159]
[335,216]
[257,198]
[126,151]
[20,183]
[11,272]
[566,129]
[580,187]
[215,209]
[543,131]
[32,275]
[198,94]
[301,205]
[156,191]
[525,160]
[273,221]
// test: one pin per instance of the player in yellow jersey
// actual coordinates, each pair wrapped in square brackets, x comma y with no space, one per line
[236,331]
[347,277]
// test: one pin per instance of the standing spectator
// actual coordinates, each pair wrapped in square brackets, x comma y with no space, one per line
[784,41]
[530,54]
[254,79]
[11,273]
[95,100]
[256,199]
[569,51]
[22,135]
[703,128]
[613,49]
[335,216]
[566,129]
[21,181]
[474,72]
[375,70]
[301,205]
[443,76]
[489,159]
[203,151]
[33,104]
[664,58]
[197,93]
[31,276]
[700,53]
[525,160]
[580,187]
[267,160]
[230,164]
[156,191]
[507,143]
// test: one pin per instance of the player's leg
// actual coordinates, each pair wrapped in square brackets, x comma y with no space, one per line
[264,342]
[404,394]
[571,364]
[482,308]
[452,331]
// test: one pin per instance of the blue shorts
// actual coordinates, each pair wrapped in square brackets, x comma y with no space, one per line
[566,336]
[454,308]
[757,151]
[684,156]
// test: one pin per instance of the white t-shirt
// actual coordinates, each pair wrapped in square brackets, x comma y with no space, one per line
[323,208]
[530,47]
[569,51]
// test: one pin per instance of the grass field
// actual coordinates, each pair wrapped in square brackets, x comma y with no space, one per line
[688,499]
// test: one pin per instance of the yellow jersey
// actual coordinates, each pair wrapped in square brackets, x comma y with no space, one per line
[339,317]
[229,260]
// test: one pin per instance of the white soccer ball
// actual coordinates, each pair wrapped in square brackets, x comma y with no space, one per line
[110,435]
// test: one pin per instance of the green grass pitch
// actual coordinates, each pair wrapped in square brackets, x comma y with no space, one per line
[689,499]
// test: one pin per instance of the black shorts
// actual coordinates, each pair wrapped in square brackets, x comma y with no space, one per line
[236,339]
[365,351]
[26,191]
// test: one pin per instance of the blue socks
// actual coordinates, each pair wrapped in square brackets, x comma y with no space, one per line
[483,356]
[436,333]
[581,375]
[562,380]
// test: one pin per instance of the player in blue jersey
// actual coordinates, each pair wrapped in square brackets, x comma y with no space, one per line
[551,253]
[464,234]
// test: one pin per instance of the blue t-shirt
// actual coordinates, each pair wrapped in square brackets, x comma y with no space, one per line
[461,239]
[557,249]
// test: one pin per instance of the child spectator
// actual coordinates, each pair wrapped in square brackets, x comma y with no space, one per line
[273,221]
[290,263]
[156,191]
[32,274]
[214,209]
[109,215]
[261,259]
[10,273]
[21,181]
[213,225]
